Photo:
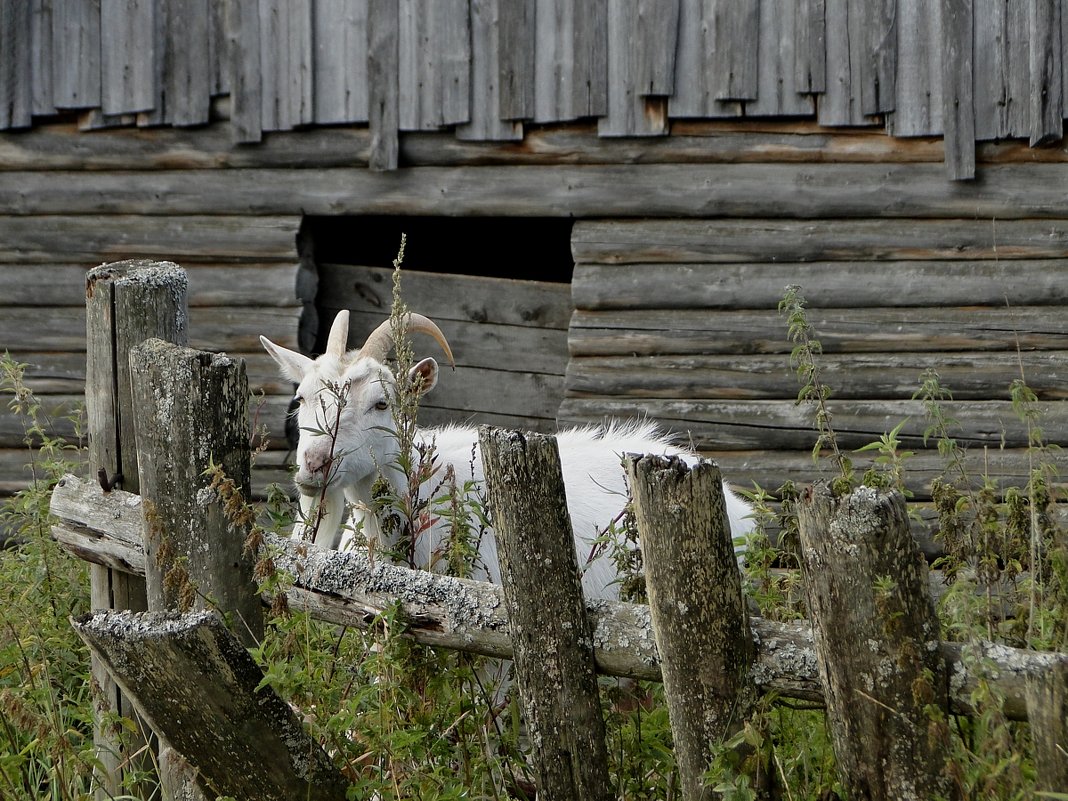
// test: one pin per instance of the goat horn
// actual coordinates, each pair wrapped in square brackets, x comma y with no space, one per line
[339,334]
[380,341]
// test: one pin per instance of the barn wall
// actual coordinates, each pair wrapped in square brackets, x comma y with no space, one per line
[742,205]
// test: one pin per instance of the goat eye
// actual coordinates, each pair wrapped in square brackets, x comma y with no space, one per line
[381,406]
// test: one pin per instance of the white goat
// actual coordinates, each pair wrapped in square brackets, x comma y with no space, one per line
[348,439]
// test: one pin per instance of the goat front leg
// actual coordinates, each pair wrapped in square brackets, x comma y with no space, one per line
[321,526]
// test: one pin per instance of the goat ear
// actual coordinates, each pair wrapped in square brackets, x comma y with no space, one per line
[424,375]
[294,365]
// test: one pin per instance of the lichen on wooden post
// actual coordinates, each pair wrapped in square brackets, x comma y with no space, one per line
[877,641]
[551,634]
[698,610]
[125,303]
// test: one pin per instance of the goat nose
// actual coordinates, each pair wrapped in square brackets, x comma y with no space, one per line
[316,462]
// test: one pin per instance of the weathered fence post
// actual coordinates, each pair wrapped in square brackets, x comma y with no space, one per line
[192,413]
[551,635]
[697,607]
[1047,711]
[877,642]
[125,303]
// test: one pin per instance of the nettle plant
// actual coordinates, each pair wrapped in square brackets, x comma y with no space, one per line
[1004,563]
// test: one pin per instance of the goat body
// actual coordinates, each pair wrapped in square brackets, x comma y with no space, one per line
[348,439]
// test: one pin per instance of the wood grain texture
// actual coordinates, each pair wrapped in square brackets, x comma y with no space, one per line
[383,76]
[128,56]
[76,53]
[340,61]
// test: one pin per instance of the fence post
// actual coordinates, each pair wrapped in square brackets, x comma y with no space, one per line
[697,608]
[192,412]
[1047,712]
[551,635]
[125,303]
[877,643]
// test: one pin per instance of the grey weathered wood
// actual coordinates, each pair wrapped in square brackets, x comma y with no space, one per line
[657,190]
[694,94]
[383,75]
[246,87]
[434,62]
[1046,57]
[125,302]
[16,61]
[810,54]
[219,49]
[200,689]
[1047,710]
[551,636]
[778,94]
[918,103]
[971,376]
[878,646]
[286,64]
[630,112]
[958,97]
[107,237]
[487,63]
[570,60]
[828,284]
[516,58]
[877,91]
[735,26]
[340,61]
[128,55]
[188,73]
[76,53]
[697,607]
[844,38]
[192,414]
[782,425]
[350,589]
[41,56]
[1001,68]
[656,40]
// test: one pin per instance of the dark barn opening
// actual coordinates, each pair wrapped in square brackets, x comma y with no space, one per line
[499,288]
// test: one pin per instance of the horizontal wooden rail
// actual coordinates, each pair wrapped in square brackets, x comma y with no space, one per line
[348,588]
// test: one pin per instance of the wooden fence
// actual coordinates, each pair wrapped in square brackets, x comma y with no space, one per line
[191,678]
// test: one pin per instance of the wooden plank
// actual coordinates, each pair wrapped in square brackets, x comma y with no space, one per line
[918,85]
[16,60]
[340,56]
[128,55]
[209,285]
[1046,56]
[879,67]
[749,285]
[246,86]
[41,57]
[93,238]
[286,64]
[708,241]
[434,60]
[1002,69]
[630,113]
[571,60]
[76,53]
[383,75]
[840,104]
[657,190]
[487,63]
[810,53]
[188,73]
[657,36]
[684,331]
[230,328]
[219,49]
[735,27]
[447,296]
[783,425]
[778,93]
[515,19]
[959,108]
[970,376]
